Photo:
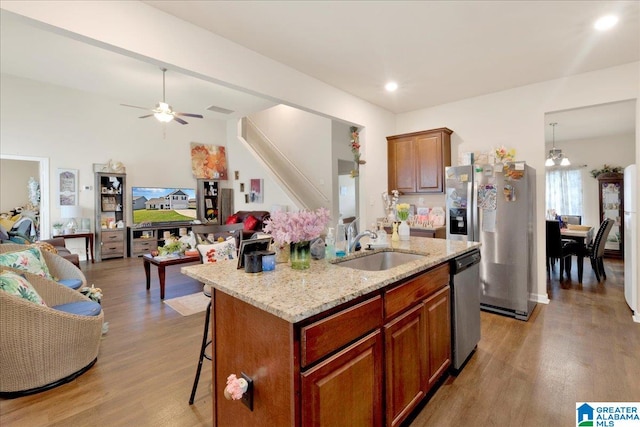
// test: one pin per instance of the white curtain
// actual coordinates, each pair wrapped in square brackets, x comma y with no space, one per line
[564,191]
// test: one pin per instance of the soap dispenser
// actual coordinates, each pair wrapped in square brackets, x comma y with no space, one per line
[341,239]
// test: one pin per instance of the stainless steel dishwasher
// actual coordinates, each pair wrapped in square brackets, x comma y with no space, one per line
[465,306]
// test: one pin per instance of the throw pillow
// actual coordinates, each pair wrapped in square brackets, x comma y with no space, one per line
[218,251]
[45,246]
[232,219]
[17,285]
[250,223]
[7,223]
[30,260]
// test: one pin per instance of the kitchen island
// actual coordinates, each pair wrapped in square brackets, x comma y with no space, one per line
[331,345]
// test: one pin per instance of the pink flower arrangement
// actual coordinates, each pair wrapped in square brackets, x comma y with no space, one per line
[235,388]
[294,227]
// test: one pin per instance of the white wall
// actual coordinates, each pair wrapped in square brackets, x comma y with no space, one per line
[14,177]
[515,118]
[76,129]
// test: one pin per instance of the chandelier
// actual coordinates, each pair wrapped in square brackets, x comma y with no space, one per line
[556,157]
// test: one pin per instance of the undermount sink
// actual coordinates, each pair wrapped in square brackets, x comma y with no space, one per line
[379,261]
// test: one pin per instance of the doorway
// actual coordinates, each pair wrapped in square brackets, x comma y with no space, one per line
[43,179]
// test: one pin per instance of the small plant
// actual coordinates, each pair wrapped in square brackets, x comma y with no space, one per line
[606,169]
[172,245]
[58,225]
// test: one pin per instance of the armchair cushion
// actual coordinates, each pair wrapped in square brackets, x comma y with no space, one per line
[80,308]
[74,284]
[30,260]
[17,285]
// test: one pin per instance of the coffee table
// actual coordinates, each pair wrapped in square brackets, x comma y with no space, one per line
[162,263]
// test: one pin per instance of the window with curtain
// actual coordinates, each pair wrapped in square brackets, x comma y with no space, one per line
[564,191]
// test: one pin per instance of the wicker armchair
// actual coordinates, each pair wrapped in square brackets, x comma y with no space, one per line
[42,347]
[59,267]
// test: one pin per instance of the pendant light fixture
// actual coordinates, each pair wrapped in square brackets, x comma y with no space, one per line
[556,157]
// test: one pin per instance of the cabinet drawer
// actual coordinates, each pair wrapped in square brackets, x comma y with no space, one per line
[407,294]
[112,236]
[112,248]
[329,334]
[144,245]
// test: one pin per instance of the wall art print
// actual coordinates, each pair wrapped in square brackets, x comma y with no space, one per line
[257,188]
[67,180]
[208,161]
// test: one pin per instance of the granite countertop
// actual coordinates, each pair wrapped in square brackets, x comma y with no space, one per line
[295,295]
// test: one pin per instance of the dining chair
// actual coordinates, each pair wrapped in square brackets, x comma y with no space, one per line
[571,219]
[596,249]
[559,248]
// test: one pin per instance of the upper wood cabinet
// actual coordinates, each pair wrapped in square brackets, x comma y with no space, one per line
[416,161]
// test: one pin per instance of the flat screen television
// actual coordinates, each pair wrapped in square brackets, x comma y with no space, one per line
[163,205]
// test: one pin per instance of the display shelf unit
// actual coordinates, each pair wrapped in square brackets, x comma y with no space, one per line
[110,218]
[208,201]
[143,239]
[611,202]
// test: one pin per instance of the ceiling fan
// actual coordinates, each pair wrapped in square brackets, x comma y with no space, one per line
[163,111]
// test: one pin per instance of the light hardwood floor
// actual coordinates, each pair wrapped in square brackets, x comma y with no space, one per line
[581,347]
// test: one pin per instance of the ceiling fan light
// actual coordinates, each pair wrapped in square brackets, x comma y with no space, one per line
[565,162]
[549,162]
[163,116]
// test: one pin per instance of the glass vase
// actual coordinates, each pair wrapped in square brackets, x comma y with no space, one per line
[282,253]
[300,255]
[404,231]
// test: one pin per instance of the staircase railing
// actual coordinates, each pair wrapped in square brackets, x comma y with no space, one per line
[294,182]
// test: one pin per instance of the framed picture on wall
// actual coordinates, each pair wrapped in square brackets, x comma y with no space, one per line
[256,195]
[67,183]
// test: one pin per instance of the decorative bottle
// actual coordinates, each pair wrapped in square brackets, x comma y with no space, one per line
[395,237]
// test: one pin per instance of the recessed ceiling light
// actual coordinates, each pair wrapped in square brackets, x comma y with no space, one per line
[391,86]
[606,22]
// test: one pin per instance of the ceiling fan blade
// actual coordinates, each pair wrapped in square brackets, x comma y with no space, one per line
[199,116]
[144,117]
[179,120]
[135,106]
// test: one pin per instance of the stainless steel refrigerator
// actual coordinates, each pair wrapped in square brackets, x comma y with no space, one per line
[495,205]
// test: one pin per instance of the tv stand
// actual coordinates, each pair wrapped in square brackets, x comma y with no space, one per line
[144,239]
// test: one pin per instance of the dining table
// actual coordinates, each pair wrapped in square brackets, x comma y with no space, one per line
[583,236]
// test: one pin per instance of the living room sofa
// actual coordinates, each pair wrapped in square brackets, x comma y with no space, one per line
[251,226]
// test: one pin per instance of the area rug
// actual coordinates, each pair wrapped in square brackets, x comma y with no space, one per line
[189,304]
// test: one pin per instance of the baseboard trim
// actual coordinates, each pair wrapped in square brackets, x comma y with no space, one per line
[540,298]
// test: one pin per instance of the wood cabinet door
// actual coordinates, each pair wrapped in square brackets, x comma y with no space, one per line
[406,361]
[402,169]
[438,308]
[346,389]
[428,160]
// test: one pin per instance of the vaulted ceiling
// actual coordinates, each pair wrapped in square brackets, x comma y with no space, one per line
[437,51]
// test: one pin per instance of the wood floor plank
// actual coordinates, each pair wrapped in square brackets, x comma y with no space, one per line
[581,347]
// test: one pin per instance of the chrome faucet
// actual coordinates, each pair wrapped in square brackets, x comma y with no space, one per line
[353,241]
